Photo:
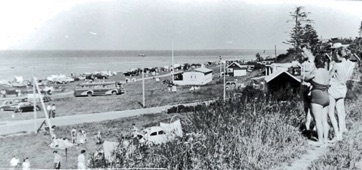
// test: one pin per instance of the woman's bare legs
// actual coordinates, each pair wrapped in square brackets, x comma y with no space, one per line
[332,105]
[317,113]
[341,115]
[308,119]
[325,123]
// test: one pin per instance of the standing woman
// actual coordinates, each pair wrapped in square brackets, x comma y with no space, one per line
[340,72]
[319,79]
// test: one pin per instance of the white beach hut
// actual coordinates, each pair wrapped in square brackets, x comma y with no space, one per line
[199,76]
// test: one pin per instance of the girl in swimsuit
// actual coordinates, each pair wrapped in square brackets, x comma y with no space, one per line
[319,78]
[341,71]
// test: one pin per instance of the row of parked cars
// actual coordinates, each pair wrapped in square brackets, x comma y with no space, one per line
[62,79]
[21,105]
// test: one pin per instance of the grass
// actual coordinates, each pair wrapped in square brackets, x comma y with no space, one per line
[229,136]
[40,154]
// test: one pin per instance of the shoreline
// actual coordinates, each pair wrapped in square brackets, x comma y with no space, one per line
[45,63]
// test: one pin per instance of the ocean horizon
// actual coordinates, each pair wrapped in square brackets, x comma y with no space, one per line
[48,62]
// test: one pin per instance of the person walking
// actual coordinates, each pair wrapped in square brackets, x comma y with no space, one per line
[341,71]
[319,79]
[57,160]
[53,110]
[49,110]
[82,160]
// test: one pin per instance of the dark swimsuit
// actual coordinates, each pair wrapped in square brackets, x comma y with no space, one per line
[320,94]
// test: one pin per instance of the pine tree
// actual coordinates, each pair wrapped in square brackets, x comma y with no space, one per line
[299,17]
[360,30]
[310,36]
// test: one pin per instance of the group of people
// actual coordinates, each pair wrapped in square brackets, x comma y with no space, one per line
[51,110]
[79,137]
[81,160]
[14,163]
[328,91]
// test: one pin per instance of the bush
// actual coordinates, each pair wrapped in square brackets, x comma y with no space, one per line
[227,135]
[184,109]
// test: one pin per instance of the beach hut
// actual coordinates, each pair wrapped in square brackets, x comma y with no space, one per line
[282,84]
[199,76]
[235,69]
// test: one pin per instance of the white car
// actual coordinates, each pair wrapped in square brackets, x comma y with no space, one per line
[161,134]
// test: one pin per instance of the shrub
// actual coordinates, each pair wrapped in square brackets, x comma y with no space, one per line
[230,135]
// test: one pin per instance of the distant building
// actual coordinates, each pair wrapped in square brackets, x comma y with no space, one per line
[235,69]
[268,61]
[293,68]
[199,76]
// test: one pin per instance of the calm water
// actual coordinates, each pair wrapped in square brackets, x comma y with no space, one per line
[46,63]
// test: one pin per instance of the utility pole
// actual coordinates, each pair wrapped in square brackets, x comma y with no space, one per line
[220,62]
[44,108]
[224,81]
[275,50]
[172,71]
[34,102]
[143,82]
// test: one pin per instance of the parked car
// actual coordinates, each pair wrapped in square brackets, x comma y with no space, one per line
[10,105]
[30,98]
[100,76]
[161,134]
[26,107]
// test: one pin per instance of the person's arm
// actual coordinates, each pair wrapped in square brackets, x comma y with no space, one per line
[310,76]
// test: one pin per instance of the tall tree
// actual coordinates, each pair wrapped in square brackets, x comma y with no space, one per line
[299,18]
[360,30]
[258,57]
[310,36]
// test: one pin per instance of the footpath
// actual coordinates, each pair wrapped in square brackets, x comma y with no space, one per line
[26,126]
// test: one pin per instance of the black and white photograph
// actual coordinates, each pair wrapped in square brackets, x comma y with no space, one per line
[181,84]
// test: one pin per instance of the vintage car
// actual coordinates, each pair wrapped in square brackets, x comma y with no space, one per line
[8,105]
[161,134]
[25,107]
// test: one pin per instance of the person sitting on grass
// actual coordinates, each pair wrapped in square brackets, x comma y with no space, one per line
[319,78]
[26,164]
[14,162]
[99,139]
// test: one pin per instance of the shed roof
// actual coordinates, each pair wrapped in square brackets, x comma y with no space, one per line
[276,74]
[237,64]
[203,70]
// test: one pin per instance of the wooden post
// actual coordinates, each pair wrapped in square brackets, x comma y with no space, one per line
[34,102]
[275,50]
[224,81]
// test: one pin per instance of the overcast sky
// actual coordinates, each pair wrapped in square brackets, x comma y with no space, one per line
[153,24]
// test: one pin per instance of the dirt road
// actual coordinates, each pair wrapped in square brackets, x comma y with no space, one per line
[12,127]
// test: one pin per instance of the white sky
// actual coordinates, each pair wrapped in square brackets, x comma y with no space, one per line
[146,24]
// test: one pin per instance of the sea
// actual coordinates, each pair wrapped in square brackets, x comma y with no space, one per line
[44,63]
